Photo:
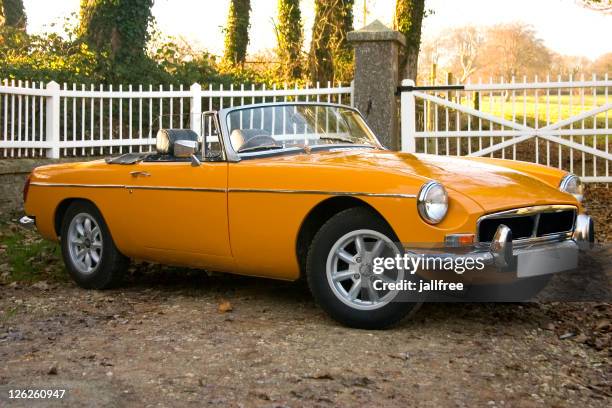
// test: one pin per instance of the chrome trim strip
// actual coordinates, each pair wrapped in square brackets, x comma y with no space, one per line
[519,212]
[207,190]
[130,187]
[231,190]
[336,193]
[43,184]
[526,242]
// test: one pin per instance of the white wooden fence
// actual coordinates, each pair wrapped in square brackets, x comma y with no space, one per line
[565,124]
[557,123]
[49,120]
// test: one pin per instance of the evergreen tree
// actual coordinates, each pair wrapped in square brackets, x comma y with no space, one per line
[237,32]
[290,36]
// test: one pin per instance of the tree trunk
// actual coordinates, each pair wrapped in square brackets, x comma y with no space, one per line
[237,32]
[330,56]
[118,26]
[408,19]
[290,37]
[12,14]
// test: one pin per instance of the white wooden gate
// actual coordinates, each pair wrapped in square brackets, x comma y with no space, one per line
[561,124]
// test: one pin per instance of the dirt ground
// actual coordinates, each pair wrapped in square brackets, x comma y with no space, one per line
[172,337]
[162,341]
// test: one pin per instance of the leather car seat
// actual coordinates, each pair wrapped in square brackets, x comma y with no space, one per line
[165,139]
[237,139]
[240,137]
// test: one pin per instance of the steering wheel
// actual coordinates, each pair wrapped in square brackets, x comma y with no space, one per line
[258,140]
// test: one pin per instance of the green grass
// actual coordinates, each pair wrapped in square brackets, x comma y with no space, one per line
[8,314]
[527,109]
[27,257]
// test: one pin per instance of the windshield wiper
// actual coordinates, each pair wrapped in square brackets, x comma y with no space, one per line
[337,139]
[258,148]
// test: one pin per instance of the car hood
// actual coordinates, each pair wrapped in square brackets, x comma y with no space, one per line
[492,186]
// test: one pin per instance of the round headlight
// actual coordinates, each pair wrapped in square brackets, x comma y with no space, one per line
[571,184]
[432,202]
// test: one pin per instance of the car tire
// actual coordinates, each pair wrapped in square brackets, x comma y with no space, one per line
[335,300]
[88,250]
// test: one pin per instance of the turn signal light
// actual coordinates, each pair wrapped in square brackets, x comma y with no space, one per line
[459,240]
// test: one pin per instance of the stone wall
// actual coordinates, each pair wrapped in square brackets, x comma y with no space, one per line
[13,173]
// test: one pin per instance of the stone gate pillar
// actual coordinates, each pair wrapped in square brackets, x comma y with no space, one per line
[377,76]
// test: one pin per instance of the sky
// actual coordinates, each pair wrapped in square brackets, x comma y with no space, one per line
[564,26]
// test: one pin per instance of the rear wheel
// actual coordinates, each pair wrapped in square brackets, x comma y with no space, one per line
[89,253]
[340,274]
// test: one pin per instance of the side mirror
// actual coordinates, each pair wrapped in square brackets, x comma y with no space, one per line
[187,148]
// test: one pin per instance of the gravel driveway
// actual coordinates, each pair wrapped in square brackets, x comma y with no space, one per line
[168,337]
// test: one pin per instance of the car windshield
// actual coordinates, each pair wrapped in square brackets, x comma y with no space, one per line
[277,127]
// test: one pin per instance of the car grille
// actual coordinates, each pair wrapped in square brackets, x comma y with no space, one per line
[528,223]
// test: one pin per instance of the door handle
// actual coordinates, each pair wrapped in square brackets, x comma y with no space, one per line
[140,173]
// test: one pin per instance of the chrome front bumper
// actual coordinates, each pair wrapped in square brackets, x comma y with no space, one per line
[543,258]
[530,259]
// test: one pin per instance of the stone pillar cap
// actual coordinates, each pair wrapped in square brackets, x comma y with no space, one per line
[376,31]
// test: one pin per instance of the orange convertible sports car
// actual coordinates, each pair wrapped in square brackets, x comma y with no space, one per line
[290,190]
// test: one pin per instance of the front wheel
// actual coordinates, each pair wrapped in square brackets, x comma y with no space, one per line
[89,253]
[341,276]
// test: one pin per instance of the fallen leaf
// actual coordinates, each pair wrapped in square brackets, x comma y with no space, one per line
[225,306]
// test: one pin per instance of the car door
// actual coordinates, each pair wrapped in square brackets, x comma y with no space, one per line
[179,208]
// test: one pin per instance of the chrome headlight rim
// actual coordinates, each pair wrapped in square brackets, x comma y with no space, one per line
[566,182]
[424,193]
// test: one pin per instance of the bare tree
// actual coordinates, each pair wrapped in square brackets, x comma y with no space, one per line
[603,64]
[512,50]
[462,46]
[604,6]
[429,54]
[566,65]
